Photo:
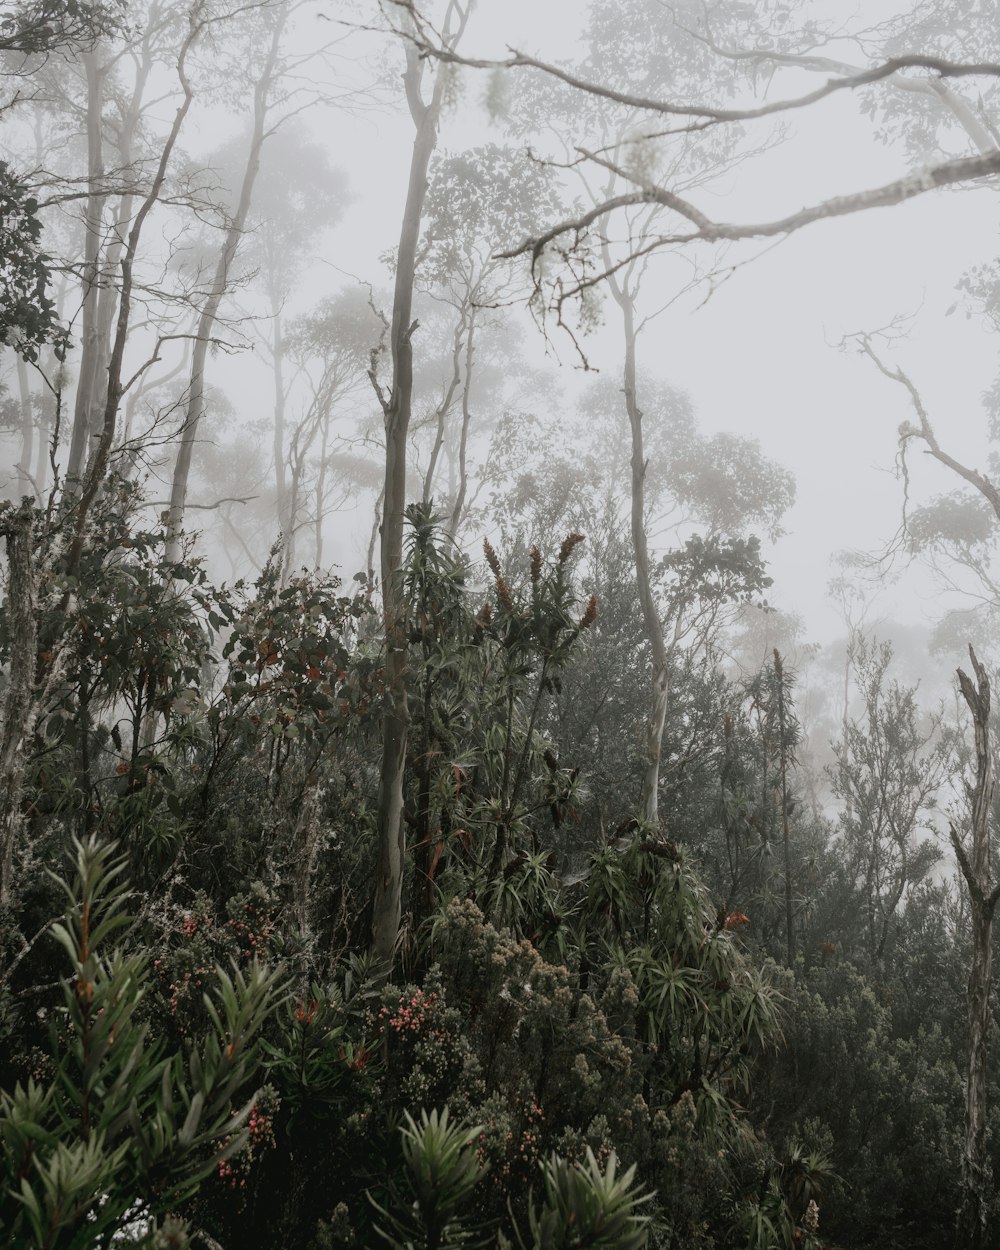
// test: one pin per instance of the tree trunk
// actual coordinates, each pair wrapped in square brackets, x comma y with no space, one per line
[100,455]
[290,534]
[278,447]
[386,911]
[321,473]
[195,407]
[22,630]
[26,484]
[87,404]
[307,839]
[976,1182]
[779,676]
[444,408]
[649,795]
[463,442]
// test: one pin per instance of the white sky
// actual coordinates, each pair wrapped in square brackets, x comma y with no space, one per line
[759,358]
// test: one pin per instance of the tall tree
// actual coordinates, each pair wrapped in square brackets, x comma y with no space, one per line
[272,19]
[298,194]
[331,348]
[889,765]
[670,111]
[397,405]
[619,146]
[478,203]
[976,866]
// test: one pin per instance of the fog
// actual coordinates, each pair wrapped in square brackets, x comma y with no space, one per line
[499,507]
[755,334]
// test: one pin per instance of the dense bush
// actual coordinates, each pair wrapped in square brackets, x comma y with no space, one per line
[586,1040]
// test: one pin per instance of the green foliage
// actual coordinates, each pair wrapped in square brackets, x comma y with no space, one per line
[441,1171]
[581,988]
[39,27]
[27,313]
[889,765]
[587,1206]
[123,1133]
[583,1205]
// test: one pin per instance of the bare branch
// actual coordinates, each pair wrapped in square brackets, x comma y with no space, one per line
[925,430]
[705,112]
[949,173]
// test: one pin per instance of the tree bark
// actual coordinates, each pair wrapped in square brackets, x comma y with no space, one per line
[100,455]
[26,484]
[321,473]
[22,628]
[278,447]
[976,1182]
[779,676]
[444,408]
[660,693]
[389,872]
[87,403]
[463,442]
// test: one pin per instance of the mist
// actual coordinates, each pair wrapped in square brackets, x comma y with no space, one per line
[500,617]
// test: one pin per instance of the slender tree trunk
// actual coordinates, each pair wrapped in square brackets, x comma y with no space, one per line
[88,386]
[779,675]
[386,912]
[195,407]
[100,456]
[48,401]
[660,695]
[976,1181]
[321,493]
[278,446]
[22,632]
[373,537]
[290,534]
[26,485]
[463,441]
[42,447]
[444,408]
[100,352]
[307,846]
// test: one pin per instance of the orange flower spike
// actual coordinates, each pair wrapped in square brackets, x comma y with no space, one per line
[590,615]
[569,543]
[491,557]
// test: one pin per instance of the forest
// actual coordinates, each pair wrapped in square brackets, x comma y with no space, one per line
[500,507]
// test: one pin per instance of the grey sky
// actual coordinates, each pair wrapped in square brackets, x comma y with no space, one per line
[760,356]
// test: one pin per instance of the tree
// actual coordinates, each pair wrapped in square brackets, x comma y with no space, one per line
[477,202]
[611,142]
[41,27]
[298,194]
[975,863]
[888,770]
[669,114]
[114,108]
[28,317]
[703,496]
[273,19]
[331,347]
[397,404]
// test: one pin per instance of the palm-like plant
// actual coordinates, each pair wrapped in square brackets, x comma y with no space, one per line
[123,1133]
